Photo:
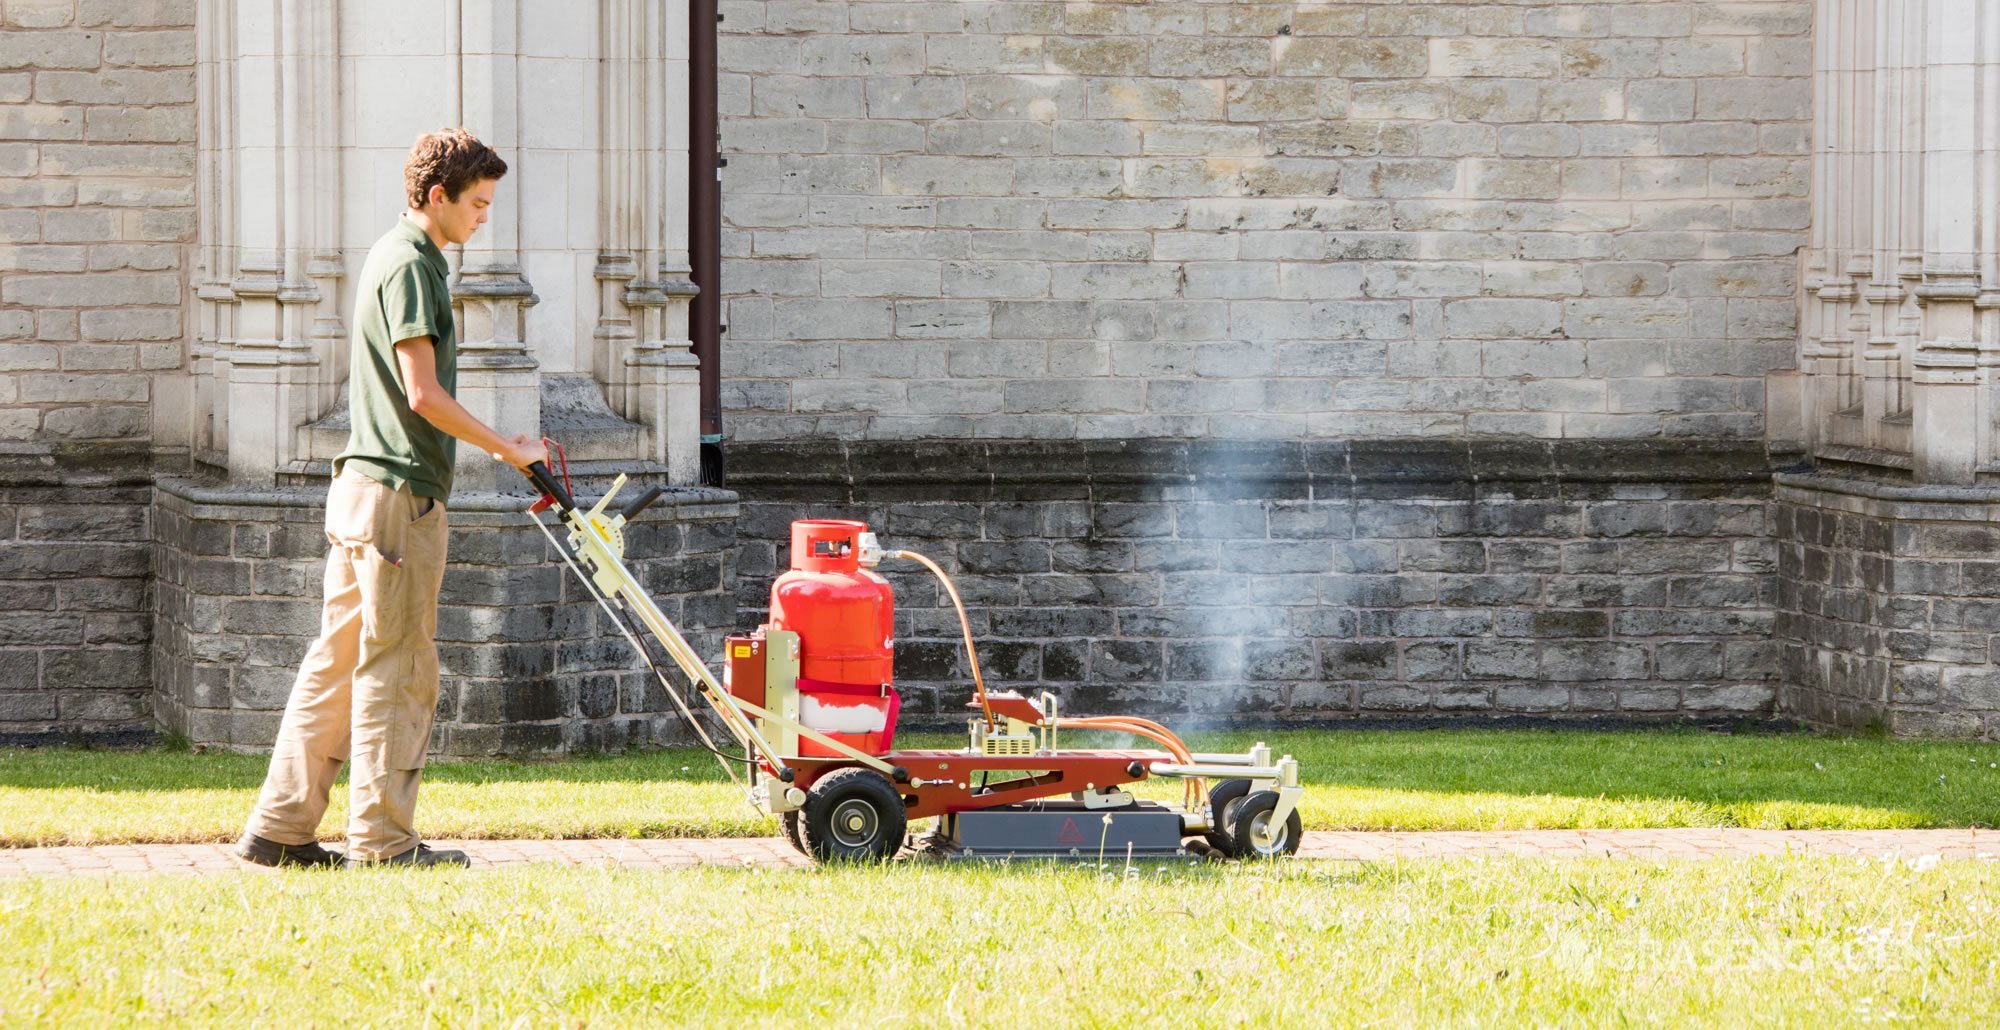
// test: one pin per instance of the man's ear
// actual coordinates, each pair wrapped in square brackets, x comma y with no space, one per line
[435,196]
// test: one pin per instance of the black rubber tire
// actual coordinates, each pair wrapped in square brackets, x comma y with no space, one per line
[788,824]
[1221,833]
[852,815]
[1253,814]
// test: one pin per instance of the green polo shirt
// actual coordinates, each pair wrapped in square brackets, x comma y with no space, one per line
[401,295]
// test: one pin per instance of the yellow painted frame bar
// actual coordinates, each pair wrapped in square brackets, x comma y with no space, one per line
[591,539]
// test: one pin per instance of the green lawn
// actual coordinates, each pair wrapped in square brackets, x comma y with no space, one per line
[1790,942]
[1357,779]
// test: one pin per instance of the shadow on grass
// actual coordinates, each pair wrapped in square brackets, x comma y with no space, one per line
[1932,783]
[1920,783]
[168,769]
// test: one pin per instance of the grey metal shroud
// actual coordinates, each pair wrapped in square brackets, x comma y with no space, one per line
[1061,829]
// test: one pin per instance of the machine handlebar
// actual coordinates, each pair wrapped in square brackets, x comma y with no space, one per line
[538,473]
[643,502]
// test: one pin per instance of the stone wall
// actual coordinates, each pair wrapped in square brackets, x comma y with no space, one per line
[530,662]
[74,614]
[1295,581]
[97,147]
[1148,304]
[1889,605]
[96,204]
[1186,219]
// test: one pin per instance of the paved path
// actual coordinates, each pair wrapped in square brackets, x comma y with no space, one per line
[770,852]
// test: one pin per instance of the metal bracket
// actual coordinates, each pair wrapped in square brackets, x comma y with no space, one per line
[1289,790]
[1109,797]
[1288,802]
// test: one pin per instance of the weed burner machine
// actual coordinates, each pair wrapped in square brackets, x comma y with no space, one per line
[811,704]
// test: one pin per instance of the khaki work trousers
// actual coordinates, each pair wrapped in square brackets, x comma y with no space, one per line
[368,687]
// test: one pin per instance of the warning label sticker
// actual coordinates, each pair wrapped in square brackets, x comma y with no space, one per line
[1070,833]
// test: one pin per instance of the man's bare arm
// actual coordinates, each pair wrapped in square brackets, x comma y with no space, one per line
[417,359]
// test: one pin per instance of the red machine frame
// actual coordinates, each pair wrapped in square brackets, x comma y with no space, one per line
[834,814]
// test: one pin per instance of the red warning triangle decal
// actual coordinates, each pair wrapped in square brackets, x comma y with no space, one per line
[1071,833]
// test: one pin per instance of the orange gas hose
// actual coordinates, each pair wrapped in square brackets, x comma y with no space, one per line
[1112,723]
[1136,726]
[971,653]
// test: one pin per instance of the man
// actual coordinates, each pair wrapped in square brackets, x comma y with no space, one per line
[367,689]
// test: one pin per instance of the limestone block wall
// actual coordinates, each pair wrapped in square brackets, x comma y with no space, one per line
[1188,219]
[96,196]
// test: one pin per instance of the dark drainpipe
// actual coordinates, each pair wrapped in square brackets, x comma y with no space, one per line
[705,229]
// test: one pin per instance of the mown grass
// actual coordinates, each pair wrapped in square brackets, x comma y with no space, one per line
[1409,780]
[1790,942]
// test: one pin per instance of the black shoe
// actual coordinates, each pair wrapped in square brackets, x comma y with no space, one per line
[253,848]
[421,856]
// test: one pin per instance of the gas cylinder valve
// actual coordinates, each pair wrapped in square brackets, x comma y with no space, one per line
[870,550]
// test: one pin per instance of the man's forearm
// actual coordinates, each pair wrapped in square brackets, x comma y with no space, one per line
[414,358]
[442,410]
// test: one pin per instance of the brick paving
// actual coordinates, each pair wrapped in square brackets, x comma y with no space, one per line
[771,852]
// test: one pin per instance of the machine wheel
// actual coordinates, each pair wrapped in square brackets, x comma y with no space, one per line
[1223,801]
[1256,837]
[852,815]
[788,824]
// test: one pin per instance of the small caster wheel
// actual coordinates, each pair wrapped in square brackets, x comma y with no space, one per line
[1223,800]
[1254,834]
[852,815]
[788,823]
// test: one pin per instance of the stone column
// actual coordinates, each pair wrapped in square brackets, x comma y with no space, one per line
[1879,282]
[588,103]
[1903,245]
[271,324]
[1885,553]
[497,378]
[1948,436]
[640,344]
[1800,402]
[215,93]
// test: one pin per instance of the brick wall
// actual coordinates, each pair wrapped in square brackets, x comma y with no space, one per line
[1187,219]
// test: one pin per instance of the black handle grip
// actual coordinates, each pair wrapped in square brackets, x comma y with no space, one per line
[644,501]
[538,473]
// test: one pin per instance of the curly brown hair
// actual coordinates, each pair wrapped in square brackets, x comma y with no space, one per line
[452,158]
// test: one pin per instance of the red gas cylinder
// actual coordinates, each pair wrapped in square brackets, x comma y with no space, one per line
[845,617]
